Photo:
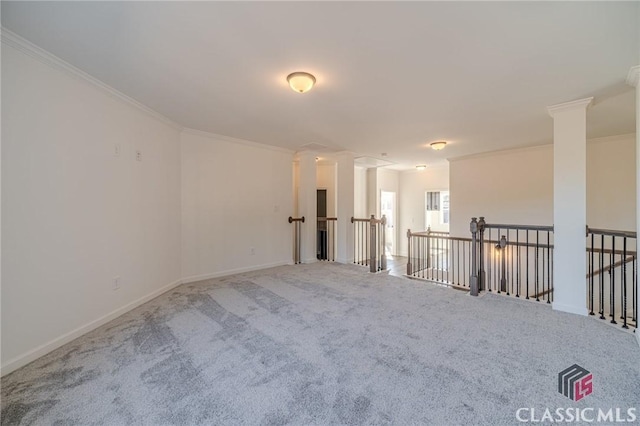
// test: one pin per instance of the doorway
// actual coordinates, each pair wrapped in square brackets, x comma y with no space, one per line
[321,229]
[388,209]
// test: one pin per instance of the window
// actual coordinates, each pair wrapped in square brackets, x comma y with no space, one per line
[437,209]
[433,201]
[444,210]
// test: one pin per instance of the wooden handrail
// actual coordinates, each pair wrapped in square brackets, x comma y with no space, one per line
[354,219]
[613,233]
[610,267]
[520,227]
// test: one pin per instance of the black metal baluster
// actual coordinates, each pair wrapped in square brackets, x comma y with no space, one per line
[624,283]
[518,263]
[548,269]
[601,298]
[591,265]
[458,259]
[634,291]
[551,266]
[536,271]
[612,271]
[464,262]
[512,261]
[527,264]
[489,254]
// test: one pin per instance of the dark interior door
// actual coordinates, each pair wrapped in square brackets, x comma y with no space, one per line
[322,225]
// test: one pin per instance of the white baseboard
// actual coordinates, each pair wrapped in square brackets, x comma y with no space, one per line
[44,349]
[578,310]
[637,336]
[195,278]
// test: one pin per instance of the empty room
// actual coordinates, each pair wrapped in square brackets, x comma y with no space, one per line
[319,213]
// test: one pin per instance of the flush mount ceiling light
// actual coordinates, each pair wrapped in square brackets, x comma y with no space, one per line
[421,167]
[438,145]
[301,81]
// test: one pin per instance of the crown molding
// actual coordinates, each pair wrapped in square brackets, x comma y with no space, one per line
[567,106]
[500,152]
[11,39]
[633,78]
[209,135]
[613,138]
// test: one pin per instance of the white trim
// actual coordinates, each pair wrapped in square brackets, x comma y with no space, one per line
[633,78]
[637,336]
[535,147]
[33,354]
[578,310]
[568,106]
[435,166]
[499,152]
[195,278]
[224,138]
[614,138]
[11,39]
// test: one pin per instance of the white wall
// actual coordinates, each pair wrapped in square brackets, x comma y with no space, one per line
[235,196]
[413,185]
[326,179]
[611,183]
[75,215]
[360,192]
[516,186]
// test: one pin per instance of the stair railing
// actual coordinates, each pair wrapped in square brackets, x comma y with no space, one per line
[327,238]
[297,238]
[369,243]
[612,275]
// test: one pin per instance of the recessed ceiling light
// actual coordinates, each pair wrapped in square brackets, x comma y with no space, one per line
[438,145]
[301,81]
[421,167]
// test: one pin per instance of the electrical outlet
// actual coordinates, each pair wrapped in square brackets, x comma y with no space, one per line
[116,150]
[138,155]
[116,283]
[252,250]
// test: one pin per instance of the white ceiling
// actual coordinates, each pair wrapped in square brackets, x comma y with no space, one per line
[391,77]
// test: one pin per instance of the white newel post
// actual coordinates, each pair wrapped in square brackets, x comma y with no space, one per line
[570,205]
[634,80]
[307,205]
[345,211]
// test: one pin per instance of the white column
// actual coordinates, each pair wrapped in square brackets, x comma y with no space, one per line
[570,205]
[307,204]
[373,205]
[634,80]
[345,211]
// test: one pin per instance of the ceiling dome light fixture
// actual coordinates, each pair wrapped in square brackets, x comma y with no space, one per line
[421,167]
[438,145]
[301,81]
